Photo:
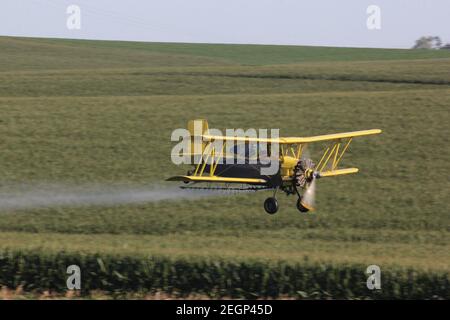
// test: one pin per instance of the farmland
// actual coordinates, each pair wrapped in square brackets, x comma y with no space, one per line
[78,113]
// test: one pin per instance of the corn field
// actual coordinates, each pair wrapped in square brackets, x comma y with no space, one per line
[38,271]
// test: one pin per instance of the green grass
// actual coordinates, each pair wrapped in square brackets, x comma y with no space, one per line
[81,112]
[289,244]
[44,54]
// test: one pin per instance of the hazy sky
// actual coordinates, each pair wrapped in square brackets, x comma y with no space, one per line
[312,22]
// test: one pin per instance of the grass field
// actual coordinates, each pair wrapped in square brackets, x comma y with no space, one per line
[77,113]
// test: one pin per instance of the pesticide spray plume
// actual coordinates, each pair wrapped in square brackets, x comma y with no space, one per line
[19,197]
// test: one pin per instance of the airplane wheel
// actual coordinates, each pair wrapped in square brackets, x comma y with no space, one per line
[300,207]
[271,205]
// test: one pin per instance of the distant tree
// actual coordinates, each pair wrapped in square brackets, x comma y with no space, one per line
[428,43]
[437,43]
[446,46]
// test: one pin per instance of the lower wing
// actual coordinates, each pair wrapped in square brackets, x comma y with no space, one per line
[216,179]
[338,172]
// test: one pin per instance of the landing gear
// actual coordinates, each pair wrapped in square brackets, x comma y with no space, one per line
[271,205]
[300,206]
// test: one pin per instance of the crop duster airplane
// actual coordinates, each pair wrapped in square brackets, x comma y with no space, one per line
[295,174]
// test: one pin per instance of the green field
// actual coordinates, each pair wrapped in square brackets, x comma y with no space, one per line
[77,113]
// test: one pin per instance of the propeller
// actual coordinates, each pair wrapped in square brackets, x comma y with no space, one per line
[309,196]
[306,176]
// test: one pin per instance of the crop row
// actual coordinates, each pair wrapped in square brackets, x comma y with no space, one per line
[116,274]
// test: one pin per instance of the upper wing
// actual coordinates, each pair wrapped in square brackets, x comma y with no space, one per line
[327,166]
[334,136]
[295,140]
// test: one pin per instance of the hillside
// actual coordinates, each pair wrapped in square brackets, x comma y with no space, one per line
[77,114]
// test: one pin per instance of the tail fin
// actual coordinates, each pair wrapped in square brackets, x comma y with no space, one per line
[197,128]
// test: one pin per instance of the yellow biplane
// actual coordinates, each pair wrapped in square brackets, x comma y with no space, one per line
[216,166]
